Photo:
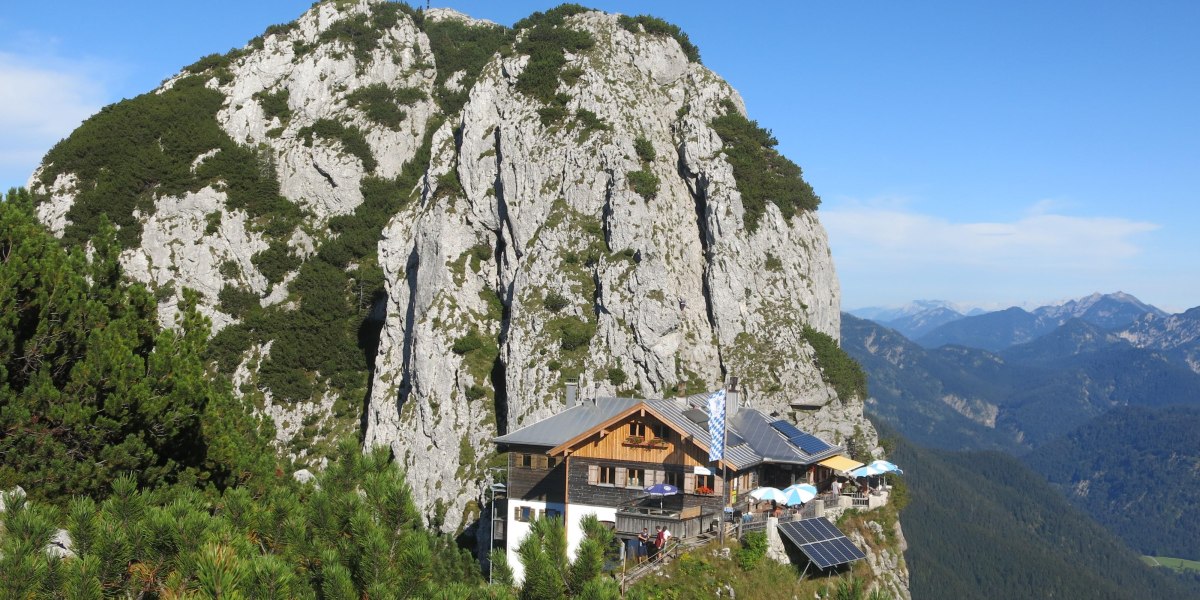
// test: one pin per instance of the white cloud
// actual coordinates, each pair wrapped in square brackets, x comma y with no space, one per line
[40,103]
[1038,241]
[887,254]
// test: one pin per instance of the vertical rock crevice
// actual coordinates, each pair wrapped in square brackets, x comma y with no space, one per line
[699,190]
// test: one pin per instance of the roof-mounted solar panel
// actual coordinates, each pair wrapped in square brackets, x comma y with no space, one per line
[810,444]
[806,442]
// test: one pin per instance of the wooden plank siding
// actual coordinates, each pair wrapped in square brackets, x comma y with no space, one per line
[611,444]
[537,481]
[584,487]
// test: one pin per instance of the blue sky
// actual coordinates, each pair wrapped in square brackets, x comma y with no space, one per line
[991,154]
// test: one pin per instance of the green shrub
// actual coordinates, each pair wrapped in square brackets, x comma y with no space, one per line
[276,261]
[381,104]
[657,26]
[617,376]
[549,115]
[479,254]
[351,138]
[838,369]
[763,174]
[458,46]
[237,301]
[555,302]
[644,183]
[644,149]
[773,263]
[754,548]
[275,104]
[547,41]
[590,122]
[448,186]
[574,333]
[468,343]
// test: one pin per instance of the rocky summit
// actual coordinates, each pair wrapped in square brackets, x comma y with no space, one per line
[417,226]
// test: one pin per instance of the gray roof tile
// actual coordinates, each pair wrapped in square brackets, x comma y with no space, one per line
[751,438]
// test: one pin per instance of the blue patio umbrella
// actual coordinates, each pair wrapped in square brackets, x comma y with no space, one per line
[661,490]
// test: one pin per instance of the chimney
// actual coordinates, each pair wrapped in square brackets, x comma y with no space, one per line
[572,393]
[732,398]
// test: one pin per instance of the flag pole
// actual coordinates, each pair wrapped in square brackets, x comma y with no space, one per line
[724,475]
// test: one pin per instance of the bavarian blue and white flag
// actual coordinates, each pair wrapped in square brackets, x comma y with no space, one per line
[716,425]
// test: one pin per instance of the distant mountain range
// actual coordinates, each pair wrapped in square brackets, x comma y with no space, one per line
[933,324]
[959,398]
[1101,396]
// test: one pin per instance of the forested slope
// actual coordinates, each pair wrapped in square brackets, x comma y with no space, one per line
[981,525]
[1137,471]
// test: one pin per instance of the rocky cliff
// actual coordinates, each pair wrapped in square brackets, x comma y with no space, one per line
[418,226]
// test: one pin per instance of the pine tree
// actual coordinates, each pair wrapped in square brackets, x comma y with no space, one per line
[91,387]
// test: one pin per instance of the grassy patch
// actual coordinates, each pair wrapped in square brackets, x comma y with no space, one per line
[704,573]
[1175,564]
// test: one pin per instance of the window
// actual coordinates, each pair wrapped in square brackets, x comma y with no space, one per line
[674,478]
[636,478]
[525,514]
[608,475]
[659,431]
[637,429]
[704,484]
[551,513]
[525,460]
[551,462]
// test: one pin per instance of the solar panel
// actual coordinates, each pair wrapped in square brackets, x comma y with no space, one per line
[821,542]
[806,442]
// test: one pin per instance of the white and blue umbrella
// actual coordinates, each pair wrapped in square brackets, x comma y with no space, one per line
[799,494]
[768,493]
[886,467]
[867,471]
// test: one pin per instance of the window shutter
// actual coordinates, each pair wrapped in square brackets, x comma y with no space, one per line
[689,483]
[539,462]
[620,482]
[718,486]
[659,477]
[593,474]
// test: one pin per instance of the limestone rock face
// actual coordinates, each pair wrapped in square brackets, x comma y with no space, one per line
[525,257]
[547,233]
